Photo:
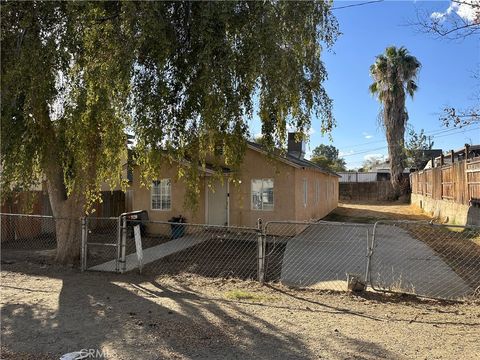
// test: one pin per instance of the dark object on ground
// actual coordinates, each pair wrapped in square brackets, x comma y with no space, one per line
[178,230]
[355,283]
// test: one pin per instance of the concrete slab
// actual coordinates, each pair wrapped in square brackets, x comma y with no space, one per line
[321,256]
[154,253]
[401,262]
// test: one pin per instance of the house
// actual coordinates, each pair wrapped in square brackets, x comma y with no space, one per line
[286,187]
[468,151]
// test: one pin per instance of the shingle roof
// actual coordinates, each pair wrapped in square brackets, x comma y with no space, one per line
[294,160]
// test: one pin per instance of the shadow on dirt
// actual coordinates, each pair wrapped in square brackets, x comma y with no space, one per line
[95,311]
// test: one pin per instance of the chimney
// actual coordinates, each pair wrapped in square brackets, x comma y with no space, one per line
[295,148]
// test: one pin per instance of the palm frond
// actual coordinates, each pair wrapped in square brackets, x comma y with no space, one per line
[411,87]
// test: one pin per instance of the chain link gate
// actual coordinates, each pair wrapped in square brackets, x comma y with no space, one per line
[101,243]
[319,255]
[171,248]
[426,259]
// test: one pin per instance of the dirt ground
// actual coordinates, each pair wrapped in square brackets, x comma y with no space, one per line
[370,212]
[48,311]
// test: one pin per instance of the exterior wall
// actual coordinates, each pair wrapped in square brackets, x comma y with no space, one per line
[328,194]
[454,213]
[258,166]
[288,194]
[141,199]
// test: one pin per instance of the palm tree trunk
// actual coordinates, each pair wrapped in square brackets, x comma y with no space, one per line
[394,119]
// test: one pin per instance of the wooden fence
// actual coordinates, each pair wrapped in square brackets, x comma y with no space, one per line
[38,203]
[458,182]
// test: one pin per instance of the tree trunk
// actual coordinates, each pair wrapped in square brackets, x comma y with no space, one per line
[67,212]
[69,233]
[394,120]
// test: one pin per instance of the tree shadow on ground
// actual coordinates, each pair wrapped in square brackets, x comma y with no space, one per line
[95,312]
[393,298]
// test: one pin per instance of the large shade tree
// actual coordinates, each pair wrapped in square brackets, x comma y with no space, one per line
[394,74]
[183,77]
[328,156]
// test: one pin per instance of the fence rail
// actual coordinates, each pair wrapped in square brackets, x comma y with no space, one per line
[420,258]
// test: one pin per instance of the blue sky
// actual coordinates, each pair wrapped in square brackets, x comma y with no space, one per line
[445,77]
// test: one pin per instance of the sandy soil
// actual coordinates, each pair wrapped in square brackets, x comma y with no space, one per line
[374,211]
[48,311]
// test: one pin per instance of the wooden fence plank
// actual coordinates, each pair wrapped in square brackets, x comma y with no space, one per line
[458,182]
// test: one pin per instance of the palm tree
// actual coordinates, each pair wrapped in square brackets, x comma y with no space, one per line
[394,74]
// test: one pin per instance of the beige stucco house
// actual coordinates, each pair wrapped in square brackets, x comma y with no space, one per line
[283,188]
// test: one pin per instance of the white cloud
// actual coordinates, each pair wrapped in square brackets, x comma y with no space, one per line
[465,10]
[381,157]
[440,15]
[343,153]
[291,128]
[367,135]
[468,12]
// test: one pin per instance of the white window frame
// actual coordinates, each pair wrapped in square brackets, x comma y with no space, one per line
[261,194]
[317,191]
[152,189]
[305,192]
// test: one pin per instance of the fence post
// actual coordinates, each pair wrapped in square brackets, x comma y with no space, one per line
[83,261]
[261,252]
[370,245]
[119,242]
[124,245]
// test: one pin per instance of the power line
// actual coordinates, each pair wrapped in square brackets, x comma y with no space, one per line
[426,133]
[365,151]
[353,5]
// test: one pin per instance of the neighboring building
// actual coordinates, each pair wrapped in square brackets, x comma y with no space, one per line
[371,176]
[271,188]
[422,157]
[454,156]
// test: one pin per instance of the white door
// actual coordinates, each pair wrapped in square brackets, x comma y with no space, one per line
[217,204]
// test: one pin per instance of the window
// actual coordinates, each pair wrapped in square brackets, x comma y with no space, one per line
[305,192]
[262,194]
[161,195]
[317,191]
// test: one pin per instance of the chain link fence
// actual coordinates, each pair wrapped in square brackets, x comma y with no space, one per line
[181,248]
[27,236]
[420,258]
[320,255]
[426,259]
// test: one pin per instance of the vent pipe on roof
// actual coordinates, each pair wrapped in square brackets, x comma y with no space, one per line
[295,148]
